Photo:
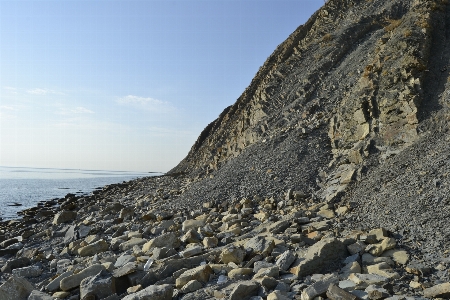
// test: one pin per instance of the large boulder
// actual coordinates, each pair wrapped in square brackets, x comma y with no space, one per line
[322,254]
[16,288]
[153,292]
[98,286]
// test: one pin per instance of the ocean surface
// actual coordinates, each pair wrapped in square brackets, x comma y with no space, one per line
[22,188]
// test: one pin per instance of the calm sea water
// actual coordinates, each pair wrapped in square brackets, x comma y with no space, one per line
[27,186]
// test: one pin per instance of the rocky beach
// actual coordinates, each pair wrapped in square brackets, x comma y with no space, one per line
[327,179]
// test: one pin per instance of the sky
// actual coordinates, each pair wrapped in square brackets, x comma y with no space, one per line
[127,85]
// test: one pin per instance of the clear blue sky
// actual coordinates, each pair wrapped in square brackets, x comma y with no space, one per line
[127,85]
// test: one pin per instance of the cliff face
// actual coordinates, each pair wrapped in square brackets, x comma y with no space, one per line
[361,71]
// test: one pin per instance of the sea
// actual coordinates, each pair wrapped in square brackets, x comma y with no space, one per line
[22,188]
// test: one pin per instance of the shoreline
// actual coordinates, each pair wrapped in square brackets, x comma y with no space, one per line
[122,242]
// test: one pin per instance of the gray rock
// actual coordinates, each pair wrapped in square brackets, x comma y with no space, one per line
[38,295]
[15,288]
[30,271]
[244,290]
[260,245]
[285,260]
[320,255]
[153,292]
[74,280]
[15,263]
[99,286]
[438,291]
[319,288]
[64,217]
[54,284]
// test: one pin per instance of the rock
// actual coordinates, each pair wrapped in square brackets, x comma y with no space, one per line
[30,271]
[64,217]
[319,288]
[244,290]
[192,251]
[399,256]
[126,269]
[356,248]
[74,280]
[376,235]
[273,271]
[98,286]
[374,292]
[378,249]
[191,236]
[320,255]
[60,295]
[94,248]
[369,259]
[350,268]
[285,260]
[438,291]
[15,288]
[239,272]
[169,240]
[38,295]
[278,227]
[210,242]
[15,263]
[268,282]
[260,245]
[163,252]
[54,284]
[200,273]
[362,281]
[326,213]
[336,293]
[153,292]
[124,259]
[232,254]
[191,286]
[383,269]
[131,243]
[277,295]
[192,224]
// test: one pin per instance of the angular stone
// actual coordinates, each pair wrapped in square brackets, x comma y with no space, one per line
[153,292]
[38,295]
[98,286]
[169,240]
[74,280]
[399,256]
[192,224]
[16,288]
[131,243]
[244,290]
[64,217]
[384,270]
[320,255]
[326,213]
[200,273]
[239,272]
[191,236]
[278,227]
[374,292]
[273,271]
[277,295]
[350,268]
[126,269]
[192,251]
[191,286]
[336,293]
[210,242]
[15,263]
[94,248]
[362,281]
[378,249]
[319,288]
[232,254]
[356,248]
[285,260]
[260,245]
[438,291]
[124,259]
[27,272]
[54,284]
